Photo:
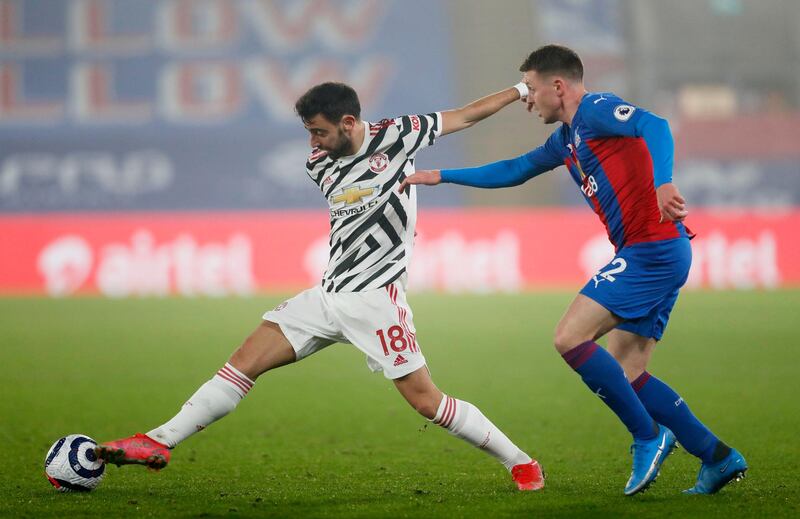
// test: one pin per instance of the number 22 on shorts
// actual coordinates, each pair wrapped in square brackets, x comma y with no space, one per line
[395,337]
[619,265]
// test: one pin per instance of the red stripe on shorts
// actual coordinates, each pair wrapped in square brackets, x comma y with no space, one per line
[401,317]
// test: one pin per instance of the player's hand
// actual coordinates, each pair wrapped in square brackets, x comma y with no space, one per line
[524,94]
[428,177]
[670,203]
[528,104]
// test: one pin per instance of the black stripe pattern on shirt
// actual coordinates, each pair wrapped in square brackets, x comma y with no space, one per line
[370,223]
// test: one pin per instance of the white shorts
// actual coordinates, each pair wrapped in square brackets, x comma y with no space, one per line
[377,322]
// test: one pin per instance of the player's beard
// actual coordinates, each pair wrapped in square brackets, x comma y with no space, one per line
[341,147]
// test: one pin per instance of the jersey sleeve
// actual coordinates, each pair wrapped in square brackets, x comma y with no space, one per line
[614,117]
[511,172]
[316,157]
[549,155]
[419,131]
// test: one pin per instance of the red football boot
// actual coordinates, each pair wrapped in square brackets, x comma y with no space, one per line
[139,449]
[528,476]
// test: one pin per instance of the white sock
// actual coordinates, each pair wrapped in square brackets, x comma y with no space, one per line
[215,399]
[466,421]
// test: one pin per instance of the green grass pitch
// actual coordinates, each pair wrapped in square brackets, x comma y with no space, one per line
[327,438]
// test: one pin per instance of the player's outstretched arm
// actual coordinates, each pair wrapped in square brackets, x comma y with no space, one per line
[467,116]
[504,173]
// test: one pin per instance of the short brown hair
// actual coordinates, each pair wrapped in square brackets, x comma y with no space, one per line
[332,100]
[554,59]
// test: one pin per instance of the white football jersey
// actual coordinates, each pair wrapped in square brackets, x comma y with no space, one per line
[372,225]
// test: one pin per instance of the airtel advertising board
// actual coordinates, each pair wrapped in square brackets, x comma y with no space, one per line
[241,253]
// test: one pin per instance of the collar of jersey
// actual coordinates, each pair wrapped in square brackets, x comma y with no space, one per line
[579,112]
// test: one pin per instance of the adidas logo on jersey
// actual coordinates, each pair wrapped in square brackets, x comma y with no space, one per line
[399,360]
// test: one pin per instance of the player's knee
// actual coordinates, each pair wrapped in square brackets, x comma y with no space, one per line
[244,362]
[564,340]
[633,373]
[631,367]
[266,348]
[428,410]
[426,406]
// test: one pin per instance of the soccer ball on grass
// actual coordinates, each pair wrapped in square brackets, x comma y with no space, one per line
[72,466]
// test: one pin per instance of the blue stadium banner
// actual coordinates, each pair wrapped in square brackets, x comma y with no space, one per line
[179,104]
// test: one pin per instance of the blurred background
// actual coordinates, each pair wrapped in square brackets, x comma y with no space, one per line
[150,148]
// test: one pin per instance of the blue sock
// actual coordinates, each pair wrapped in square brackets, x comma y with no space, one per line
[669,409]
[604,376]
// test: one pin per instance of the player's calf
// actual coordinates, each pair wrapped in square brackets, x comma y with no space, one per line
[465,421]
[720,463]
[215,399]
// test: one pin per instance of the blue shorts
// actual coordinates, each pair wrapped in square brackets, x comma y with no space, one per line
[641,284]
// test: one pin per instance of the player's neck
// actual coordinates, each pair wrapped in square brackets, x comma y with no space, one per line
[571,103]
[357,137]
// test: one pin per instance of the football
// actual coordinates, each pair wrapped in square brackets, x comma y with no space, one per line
[71,464]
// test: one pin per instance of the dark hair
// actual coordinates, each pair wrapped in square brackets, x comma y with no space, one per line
[332,100]
[554,59]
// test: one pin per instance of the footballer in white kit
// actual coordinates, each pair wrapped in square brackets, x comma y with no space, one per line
[360,300]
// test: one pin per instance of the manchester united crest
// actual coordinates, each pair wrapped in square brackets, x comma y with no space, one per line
[378,162]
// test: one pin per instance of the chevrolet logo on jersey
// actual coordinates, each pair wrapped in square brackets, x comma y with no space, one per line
[353,196]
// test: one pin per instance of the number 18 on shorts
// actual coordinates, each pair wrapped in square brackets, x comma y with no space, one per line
[378,322]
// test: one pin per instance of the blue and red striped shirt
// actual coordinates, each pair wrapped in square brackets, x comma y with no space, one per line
[615,152]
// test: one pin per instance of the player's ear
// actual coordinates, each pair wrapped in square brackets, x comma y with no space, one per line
[348,122]
[559,86]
